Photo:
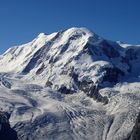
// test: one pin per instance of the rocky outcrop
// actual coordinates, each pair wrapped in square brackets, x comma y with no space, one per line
[40,70]
[95,94]
[6,132]
[4,81]
[87,86]
[135,135]
[108,50]
[112,74]
[64,90]
[130,55]
[48,84]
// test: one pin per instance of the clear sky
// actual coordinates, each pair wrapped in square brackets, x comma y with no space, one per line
[23,20]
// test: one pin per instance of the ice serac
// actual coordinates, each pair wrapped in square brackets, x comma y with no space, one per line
[72,85]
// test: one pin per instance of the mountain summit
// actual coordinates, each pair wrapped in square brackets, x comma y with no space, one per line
[71,84]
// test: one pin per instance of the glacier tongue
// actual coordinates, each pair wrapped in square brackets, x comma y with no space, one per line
[73,85]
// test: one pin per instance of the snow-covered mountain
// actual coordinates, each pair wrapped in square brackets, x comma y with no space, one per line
[71,84]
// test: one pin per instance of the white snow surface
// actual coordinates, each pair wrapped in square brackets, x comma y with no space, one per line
[41,112]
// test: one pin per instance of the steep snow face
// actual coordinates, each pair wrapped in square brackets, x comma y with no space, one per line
[73,85]
[69,59]
[76,50]
[18,58]
[15,59]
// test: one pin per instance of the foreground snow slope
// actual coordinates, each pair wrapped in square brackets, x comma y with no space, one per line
[71,85]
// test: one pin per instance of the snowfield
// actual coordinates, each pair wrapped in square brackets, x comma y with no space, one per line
[71,85]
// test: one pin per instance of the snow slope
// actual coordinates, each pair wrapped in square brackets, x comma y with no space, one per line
[73,85]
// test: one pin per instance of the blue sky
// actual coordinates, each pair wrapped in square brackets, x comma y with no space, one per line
[23,20]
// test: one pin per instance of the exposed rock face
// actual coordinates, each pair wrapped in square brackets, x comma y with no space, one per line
[135,135]
[112,74]
[6,132]
[48,84]
[108,50]
[40,70]
[130,55]
[63,89]
[94,93]
[4,82]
